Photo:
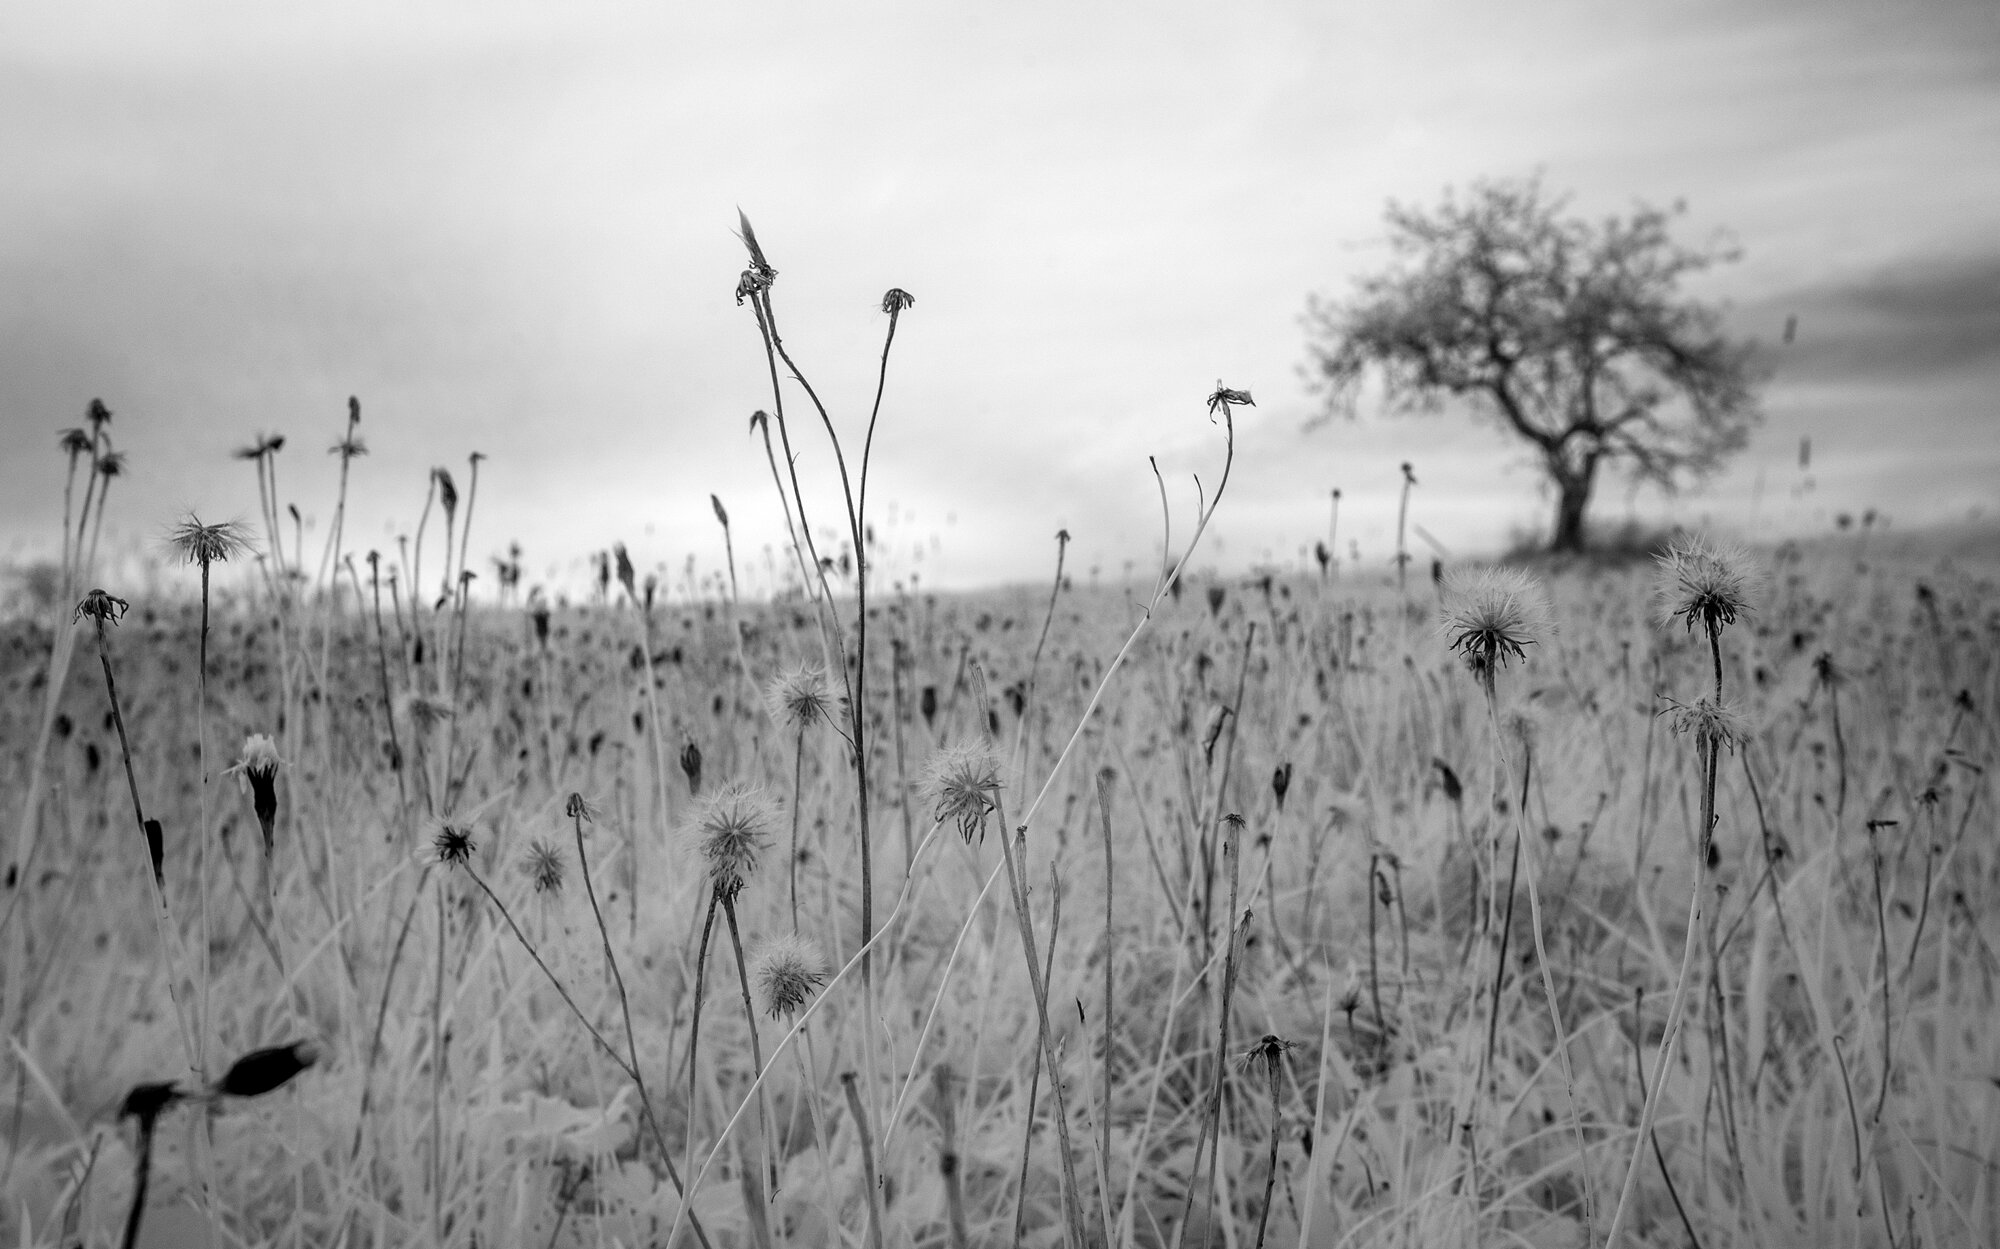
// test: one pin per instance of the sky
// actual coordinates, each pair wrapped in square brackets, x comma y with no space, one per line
[509,229]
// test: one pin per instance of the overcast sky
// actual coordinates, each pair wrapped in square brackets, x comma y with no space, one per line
[508,229]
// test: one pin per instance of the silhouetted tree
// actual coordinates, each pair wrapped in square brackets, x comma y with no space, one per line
[1573,336]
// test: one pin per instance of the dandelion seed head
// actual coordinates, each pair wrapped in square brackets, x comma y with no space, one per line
[960,782]
[427,713]
[729,829]
[786,971]
[208,544]
[1720,723]
[543,864]
[1492,615]
[453,843]
[799,696]
[1704,582]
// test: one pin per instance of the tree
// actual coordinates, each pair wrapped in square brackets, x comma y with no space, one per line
[1571,335]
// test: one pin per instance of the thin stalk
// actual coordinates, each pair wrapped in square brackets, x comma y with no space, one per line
[1561,1034]
[632,1071]
[694,1027]
[1674,1010]
[756,1046]
[1272,1051]
[869,1174]
[1072,1204]
[1105,783]
[1035,1069]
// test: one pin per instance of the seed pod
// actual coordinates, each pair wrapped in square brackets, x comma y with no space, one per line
[261,1071]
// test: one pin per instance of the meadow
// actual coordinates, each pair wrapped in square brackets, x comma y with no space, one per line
[1288,909]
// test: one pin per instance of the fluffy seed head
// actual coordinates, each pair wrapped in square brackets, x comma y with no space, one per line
[729,829]
[453,843]
[960,782]
[428,713]
[798,696]
[543,864]
[786,970]
[1704,582]
[1721,723]
[1491,616]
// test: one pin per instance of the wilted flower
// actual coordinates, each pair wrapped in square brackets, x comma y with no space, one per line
[257,773]
[543,864]
[1492,615]
[729,829]
[786,970]
[1705,583]
[896,300]
[453,843]
[581,808]
[961,782]
[102,607]
[1223,396]
[1720,723]
[798,696]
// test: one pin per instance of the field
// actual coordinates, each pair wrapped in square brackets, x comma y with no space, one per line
[499,837]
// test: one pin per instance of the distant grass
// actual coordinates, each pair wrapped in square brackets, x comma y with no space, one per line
[537,1131]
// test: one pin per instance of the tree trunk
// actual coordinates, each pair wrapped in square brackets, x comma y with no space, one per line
[1573,487]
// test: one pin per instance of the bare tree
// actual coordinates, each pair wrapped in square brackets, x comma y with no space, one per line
[1572,335]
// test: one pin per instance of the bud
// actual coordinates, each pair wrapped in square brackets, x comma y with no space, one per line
[691,765]
[262,1071]
[1281,781]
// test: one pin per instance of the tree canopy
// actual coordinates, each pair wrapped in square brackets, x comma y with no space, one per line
[1572,335]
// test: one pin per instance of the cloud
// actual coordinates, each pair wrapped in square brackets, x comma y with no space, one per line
[1921,318]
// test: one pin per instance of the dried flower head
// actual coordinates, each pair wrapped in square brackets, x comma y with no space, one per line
[1703,582]
[102,607]
[453,843]
[1720,723]
[961,782]
[1492,615]
[209,544]
[257,774]
[729,829]
[896,300]
[1222,397]
[447,491]
[580,808]
[146,1102]
[543,864]
[786,970]
[798,696]
[426,712]
[74,442]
